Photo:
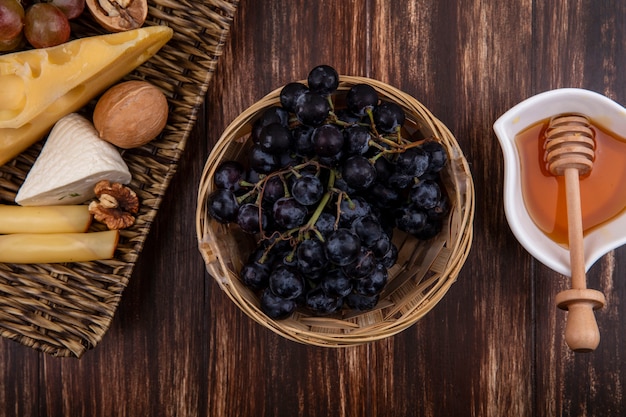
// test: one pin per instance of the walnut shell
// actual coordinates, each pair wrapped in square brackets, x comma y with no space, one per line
[119,15]
[131,114]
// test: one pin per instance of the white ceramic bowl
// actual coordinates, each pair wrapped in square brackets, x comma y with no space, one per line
[604,112]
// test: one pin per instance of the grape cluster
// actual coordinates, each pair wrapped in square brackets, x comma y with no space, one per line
[323,190]
[40,23]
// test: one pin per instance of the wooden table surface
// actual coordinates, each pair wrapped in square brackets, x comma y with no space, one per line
[492,347]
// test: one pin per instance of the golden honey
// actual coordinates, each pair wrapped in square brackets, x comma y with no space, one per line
[602,191]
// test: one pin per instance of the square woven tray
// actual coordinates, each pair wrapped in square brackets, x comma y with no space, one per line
[65,309]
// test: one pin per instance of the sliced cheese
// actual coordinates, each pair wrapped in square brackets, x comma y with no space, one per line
[71,162]
[40,86]
[44,219]
[34,248]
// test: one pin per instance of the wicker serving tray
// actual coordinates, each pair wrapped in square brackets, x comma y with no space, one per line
[65,309]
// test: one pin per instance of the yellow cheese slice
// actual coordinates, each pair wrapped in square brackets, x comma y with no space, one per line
[44,219]
[34,248]
[40,86]
[72,161]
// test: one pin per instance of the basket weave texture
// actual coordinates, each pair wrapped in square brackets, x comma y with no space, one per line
[65,309]
[424,272]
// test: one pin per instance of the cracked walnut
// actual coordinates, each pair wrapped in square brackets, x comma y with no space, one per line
[116,205]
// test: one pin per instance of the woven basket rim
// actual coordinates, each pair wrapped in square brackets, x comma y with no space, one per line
[324,331]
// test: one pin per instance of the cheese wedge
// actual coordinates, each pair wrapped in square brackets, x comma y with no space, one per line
[70,164]
[40,86]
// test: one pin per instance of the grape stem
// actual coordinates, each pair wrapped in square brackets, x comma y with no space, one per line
[304,231]
[341,196]
[391,143]
[370,114]
[259,186]
[310,224]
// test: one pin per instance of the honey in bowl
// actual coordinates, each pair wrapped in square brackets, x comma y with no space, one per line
[602,191]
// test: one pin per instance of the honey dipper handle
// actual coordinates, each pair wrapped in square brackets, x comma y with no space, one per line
[581,330]
[575,228]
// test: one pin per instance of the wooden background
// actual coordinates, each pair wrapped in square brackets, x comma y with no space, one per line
[492,347]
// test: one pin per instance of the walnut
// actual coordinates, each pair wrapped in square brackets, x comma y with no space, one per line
[118,15]
[131,114]
[116,205]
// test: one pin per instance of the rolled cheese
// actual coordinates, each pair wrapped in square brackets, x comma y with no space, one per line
[44,219]
[70,164]
[28,248]
[39,86]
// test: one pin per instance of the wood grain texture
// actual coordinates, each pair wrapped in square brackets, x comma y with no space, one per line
[492,347]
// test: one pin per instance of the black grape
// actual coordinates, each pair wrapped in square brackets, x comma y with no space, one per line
[275,138]
[228,174]
[362,302]
[311,256]
[321,303]
[336,283]
[262,161]
[290,94]
[312,109]
[363,265]
[373,283]
[388,116]
[273,189]
[273,114]
[358,172]
[255,275]
[288,213]
[286,282]
[438,156]
[327,140]
[413,162]
[356,140]
[276,307]
[223,206]
[361,98]
[248,218]
[410,220]
[342,247]
[307,190]
[323,79]
[425,194]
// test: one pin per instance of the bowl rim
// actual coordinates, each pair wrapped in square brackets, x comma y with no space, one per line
[604,111]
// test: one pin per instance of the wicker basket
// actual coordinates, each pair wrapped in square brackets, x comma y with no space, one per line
[65,309]
[421,277]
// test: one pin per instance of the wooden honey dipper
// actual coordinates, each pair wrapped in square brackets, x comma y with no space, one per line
[570,151]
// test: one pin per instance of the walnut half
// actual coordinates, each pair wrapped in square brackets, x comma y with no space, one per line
[119,15]
[116,205]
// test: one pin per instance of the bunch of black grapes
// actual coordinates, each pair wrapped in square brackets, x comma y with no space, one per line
[323,189]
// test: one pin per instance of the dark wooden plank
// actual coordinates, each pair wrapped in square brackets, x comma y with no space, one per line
[19,380]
